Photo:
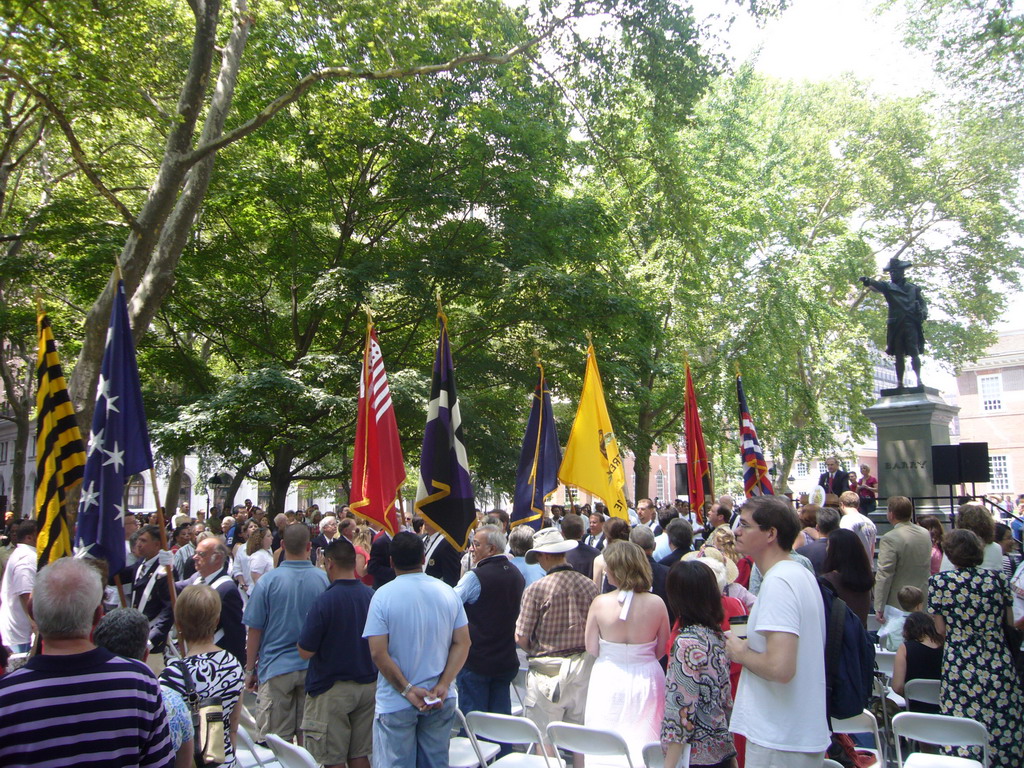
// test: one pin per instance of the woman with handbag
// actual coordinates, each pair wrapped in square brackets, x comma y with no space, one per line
[209,678]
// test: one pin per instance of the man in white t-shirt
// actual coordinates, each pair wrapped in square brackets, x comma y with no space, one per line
[16,628]
[780,702]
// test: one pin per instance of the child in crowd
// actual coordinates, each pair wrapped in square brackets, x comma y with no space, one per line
[919,657]
[890,636]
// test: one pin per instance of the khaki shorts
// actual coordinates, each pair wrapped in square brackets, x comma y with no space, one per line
[337,725]
[279,703]
[556,689]
[764,757]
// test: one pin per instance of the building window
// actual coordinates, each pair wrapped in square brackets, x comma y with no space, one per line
[304,498]
[263,495]
[136,492]
[999,468]
[659,485]
[991,390]
[801,469]
[822,469]
[3,452]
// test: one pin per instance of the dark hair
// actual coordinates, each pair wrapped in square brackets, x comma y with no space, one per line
[772,512]
[808,515]
[572,527]
[964,548]
[616,528]
[407,551]
[26,530]
[123,632]
[934,527]
[680,534]
[417,524]
[1001,530]
[828,520]
[900,507]
[177,531]
[153,531]
[342,552]
[294,539]
[918,626]
[693,595]
[846,555]
[666,515]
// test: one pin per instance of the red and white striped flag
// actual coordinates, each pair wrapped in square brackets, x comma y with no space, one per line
[378,469]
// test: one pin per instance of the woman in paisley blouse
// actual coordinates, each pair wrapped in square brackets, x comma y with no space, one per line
[972,604]
[698,700]
[215,672]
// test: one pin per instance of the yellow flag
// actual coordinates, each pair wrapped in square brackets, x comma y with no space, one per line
[591,459]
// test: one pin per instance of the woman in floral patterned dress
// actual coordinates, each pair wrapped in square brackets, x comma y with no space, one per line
[978,678]
[698,699]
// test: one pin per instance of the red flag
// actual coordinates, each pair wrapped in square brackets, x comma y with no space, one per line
[378,469]
[698,470]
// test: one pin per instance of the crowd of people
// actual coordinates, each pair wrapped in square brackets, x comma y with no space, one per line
[706,633]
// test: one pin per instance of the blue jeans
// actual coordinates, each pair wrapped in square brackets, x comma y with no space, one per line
[479,693]
[408,738]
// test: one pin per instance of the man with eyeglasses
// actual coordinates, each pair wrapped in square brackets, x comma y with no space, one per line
[212,561]
[780,702]
[491,592]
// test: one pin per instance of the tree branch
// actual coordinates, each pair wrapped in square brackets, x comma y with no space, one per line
[76,149]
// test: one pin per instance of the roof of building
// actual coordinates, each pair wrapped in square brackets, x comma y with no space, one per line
[1008,350]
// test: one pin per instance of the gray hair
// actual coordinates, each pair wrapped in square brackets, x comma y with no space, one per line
[643,537]
[123,632]
[65,598]
[828,520]
[495,536]
[520,541]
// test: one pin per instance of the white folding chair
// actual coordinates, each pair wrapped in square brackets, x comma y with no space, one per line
[258,756]
[923,690]
[654,757]
[863,723]
[885,661]
[508,729]
[941,730]
[467,751]
[290,755]
[518,693]
[588,741]
[831,764]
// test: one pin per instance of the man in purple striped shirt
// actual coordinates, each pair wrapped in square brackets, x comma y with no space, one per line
[76,704]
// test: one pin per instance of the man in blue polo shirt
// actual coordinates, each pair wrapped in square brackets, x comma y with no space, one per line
[274,615]
[419,638]
[342,679]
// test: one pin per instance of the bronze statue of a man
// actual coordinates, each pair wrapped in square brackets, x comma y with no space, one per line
[907,313]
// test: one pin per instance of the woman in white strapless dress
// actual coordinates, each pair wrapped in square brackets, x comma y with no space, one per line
[627,630]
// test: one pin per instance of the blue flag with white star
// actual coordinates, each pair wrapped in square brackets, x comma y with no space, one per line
[118,444]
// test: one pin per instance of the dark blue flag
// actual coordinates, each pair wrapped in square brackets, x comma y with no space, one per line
[445,496]
[118,444]
[539,459]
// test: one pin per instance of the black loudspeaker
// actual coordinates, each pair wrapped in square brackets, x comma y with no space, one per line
[682,482]
[974,466]
[963,463]
[946,465]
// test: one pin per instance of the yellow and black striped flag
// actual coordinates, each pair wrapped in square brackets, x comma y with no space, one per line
[60,453]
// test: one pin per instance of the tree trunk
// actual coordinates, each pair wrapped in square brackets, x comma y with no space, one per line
[280,479]
[163,194]
[642,456]
[174,484]
[18,491]
[236,483]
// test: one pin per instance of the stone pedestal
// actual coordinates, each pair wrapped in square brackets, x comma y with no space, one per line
[909,422]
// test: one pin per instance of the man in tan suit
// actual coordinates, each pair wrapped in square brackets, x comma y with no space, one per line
[904,556]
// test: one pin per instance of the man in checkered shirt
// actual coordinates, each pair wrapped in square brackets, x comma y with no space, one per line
[551,627]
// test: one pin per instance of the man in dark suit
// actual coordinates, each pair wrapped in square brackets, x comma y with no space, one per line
[212,561]
[328,533]
[680,541]
[595,538]
[443,561]
[828,521]
[379,564]
[148,579]
[834,479]
[582,557]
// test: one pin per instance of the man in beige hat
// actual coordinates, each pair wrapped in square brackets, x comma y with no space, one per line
[551,627]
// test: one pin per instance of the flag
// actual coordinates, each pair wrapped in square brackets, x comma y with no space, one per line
[755,470]
[60,453]
[537,476]
[118,445]
[591,460]
[378,469]
[698,470]
[444,496]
